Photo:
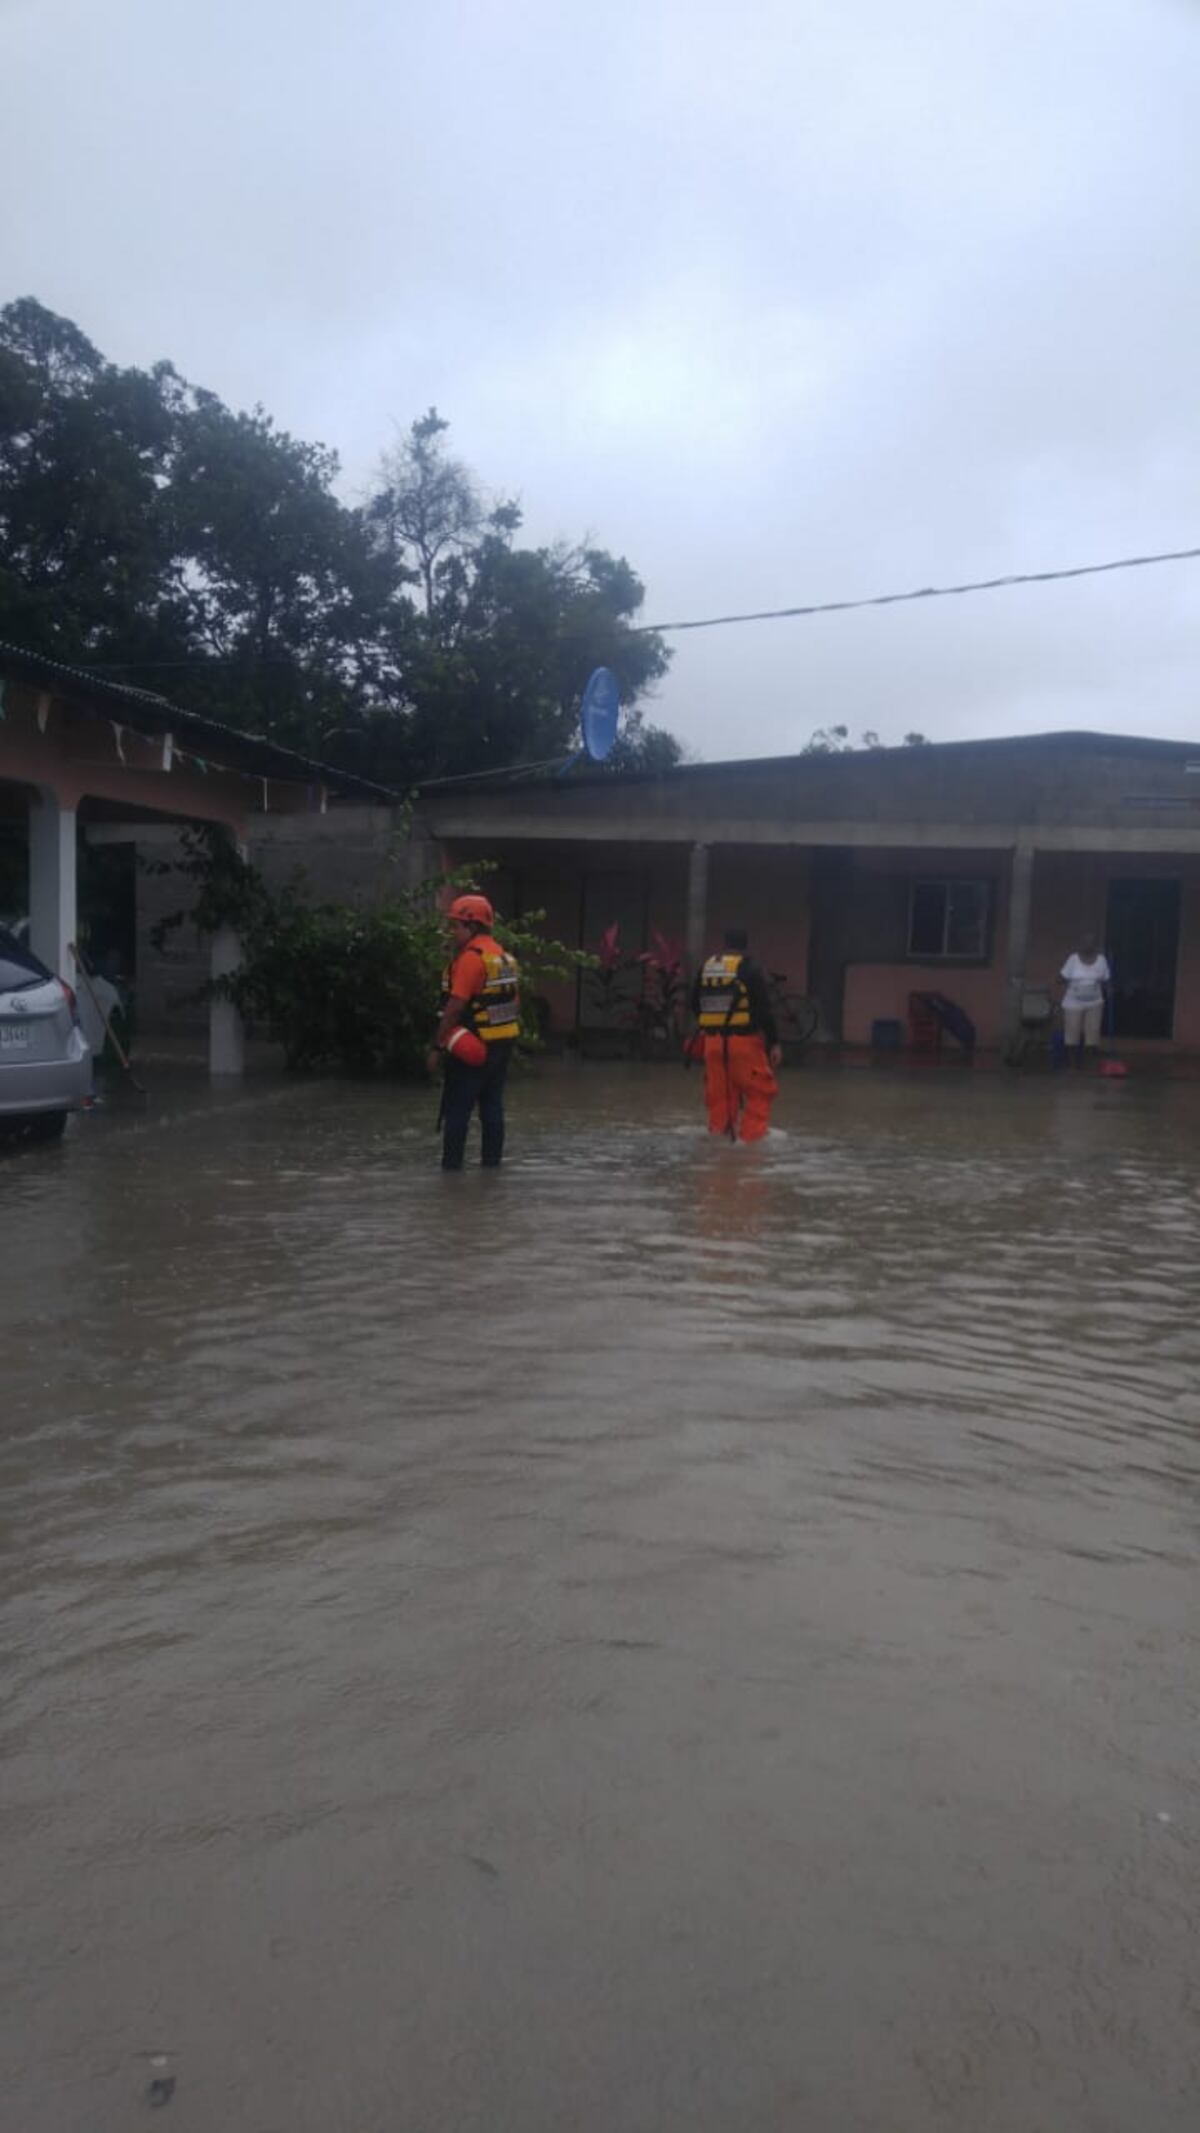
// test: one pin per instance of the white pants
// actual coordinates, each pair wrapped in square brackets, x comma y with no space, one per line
[1083,1022]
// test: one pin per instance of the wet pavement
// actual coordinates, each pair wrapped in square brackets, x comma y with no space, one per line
[669,1636]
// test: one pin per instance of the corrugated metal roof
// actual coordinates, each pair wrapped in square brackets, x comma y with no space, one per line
[93,694]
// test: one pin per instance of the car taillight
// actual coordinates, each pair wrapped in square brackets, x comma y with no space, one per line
[70,999]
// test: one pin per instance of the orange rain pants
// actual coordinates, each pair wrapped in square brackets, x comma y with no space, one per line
[739,1086]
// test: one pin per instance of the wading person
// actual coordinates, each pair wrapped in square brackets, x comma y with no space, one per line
[476,1032]
[1085,978]
[741,1042]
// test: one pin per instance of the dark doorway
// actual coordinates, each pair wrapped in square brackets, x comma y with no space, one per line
[107,896]
[1142,945]
[14,873]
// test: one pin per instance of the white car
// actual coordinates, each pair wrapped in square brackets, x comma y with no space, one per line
[45,1060]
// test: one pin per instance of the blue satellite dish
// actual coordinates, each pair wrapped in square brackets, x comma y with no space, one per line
[600,714]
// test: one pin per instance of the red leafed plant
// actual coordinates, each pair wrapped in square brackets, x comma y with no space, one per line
[608,955]
[605,977]
[659,1012]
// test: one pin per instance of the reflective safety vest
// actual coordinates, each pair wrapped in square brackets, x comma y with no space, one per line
[495,1013]
[724,1000]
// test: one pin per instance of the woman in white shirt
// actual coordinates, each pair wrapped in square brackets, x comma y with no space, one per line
[1085,978]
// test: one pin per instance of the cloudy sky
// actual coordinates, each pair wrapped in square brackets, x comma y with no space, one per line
[787,301]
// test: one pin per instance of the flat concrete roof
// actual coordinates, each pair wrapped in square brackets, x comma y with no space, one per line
[1068,742]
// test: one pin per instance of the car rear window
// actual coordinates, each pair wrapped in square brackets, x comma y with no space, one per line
[18,967]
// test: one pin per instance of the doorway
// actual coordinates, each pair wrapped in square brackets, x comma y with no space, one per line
[1142,945]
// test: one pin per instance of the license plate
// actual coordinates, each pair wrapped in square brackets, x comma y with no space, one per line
[14,1036]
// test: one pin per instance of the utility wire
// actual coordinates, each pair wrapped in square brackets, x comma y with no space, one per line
[765,614]
[924,592]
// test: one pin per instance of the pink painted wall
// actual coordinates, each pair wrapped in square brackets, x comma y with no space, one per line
[1069,895]
[767,892]
[879,992]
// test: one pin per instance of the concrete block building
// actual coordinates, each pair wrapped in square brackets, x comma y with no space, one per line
[965,868]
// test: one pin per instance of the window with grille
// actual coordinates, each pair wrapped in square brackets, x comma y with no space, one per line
[948,920]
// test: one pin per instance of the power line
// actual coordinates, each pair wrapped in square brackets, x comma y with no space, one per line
[164,666]
[924,592]
[766,614]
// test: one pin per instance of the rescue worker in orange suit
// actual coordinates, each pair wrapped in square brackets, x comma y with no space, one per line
[480,1018]
[741,1041]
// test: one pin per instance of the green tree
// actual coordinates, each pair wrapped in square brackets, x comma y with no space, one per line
[286,590]
[85,450]
[491,669]
[837,740]
[148,530]
[495,675]
[428,506]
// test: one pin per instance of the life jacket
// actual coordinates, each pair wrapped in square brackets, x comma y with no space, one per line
[495,1013]
[724,1000]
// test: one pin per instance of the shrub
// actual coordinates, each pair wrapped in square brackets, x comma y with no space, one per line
[343,985]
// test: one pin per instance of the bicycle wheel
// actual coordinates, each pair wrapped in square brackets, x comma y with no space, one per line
[799,1019]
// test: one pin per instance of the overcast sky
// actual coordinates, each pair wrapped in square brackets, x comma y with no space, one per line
[787,301]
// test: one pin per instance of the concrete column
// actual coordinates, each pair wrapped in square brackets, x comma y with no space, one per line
[697,906]
[1020,900]
[420,857]
[52,909]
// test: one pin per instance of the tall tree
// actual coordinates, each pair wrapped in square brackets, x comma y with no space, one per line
[494,664]
[286,591]
[85,451]
[149,531]
[428,505]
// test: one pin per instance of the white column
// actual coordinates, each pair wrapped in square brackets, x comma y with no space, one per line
[1020,901]
[52,915]
[226,1034]
[697,906]
[226,1031]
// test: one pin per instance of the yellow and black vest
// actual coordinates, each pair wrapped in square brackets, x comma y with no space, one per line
[495,1013]
[724,1000]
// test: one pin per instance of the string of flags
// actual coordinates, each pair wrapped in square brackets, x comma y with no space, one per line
[170,754]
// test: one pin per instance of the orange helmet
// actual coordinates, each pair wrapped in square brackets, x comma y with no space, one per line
[472,910]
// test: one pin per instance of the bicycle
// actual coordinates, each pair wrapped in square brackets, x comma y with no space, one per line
[1038,1028]
[797,1016]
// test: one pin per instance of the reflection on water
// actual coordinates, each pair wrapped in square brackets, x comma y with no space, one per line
[670,1635]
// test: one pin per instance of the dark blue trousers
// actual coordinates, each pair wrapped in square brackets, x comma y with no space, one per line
[467,1086]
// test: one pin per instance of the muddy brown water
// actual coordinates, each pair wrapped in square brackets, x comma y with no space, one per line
[665,1637]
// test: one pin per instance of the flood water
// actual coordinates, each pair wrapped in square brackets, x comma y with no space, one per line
[664,1637]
